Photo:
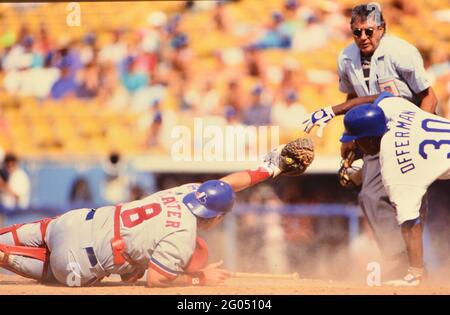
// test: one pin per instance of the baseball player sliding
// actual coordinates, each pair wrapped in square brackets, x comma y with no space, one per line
[414,149]
[156,234]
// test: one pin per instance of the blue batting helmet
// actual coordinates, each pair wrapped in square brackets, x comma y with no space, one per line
[366,120]
[212,198]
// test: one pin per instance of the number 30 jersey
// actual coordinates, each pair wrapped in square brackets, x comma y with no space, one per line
[159,232]
[415,152]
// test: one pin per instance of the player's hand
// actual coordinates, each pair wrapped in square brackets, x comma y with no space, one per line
[215,274]
[319,118]
[346,149]
[132,276]
[272,161]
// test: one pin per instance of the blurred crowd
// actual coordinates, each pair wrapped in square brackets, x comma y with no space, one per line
[156,69]
[139,69]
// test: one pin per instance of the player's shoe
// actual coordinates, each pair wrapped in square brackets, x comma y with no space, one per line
[412,279]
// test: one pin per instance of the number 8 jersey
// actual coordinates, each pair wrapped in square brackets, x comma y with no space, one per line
[415,151]
[159,232]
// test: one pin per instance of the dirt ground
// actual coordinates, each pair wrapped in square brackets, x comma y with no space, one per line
[11,284]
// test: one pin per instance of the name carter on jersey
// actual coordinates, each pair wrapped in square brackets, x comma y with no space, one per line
[402,143]
[174,213]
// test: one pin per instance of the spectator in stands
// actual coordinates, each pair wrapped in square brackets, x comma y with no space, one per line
[182,56]
[315,35]
[292,20]
[15,188]
[131,77]
[116,187]
[209,99]
[253,63]
[173,25]
[19,56]
[335,20]
[80,194]
[116,51]
[111,92]
[88,81]
[288,112]
[151,121]
[234,97]
[88,49]
[66,85]
[292,78]
[67,51]
[45,44]
[277,34]
[22,63]
[152,42]
[295,11]
[221,17]
[33,57]
[259,112]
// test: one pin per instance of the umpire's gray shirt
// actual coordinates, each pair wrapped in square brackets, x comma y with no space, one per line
[396,67]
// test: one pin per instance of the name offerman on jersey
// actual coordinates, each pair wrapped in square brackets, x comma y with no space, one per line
[402,143]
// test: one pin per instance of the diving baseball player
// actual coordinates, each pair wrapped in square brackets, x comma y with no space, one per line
[414,148]
[155,234]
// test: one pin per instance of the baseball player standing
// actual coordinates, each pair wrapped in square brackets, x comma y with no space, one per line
[374,63]
[414,151]
[155,234]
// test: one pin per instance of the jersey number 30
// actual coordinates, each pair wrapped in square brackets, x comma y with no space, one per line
[445,127]
[135,216]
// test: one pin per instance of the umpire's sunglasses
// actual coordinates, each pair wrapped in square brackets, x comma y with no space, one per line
[357,32]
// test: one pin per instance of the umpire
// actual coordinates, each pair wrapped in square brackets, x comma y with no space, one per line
[378,62]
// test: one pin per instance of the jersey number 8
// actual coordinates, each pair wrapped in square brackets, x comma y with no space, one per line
[135,216]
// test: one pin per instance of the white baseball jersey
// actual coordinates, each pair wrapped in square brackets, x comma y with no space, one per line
[159,231]
[414,153]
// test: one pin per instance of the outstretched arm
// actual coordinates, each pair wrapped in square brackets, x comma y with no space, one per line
[268,168]
[342,108]
[322,116]
[291,159]
[244,179]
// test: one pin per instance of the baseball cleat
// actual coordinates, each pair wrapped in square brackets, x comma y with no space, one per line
[408,281]
[412,279]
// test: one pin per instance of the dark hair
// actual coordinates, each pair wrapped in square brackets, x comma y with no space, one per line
[368,11]
[10,157]
[80,191]
[114,157]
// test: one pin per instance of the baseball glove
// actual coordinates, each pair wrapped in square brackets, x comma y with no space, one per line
[350,176]
[296,156]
